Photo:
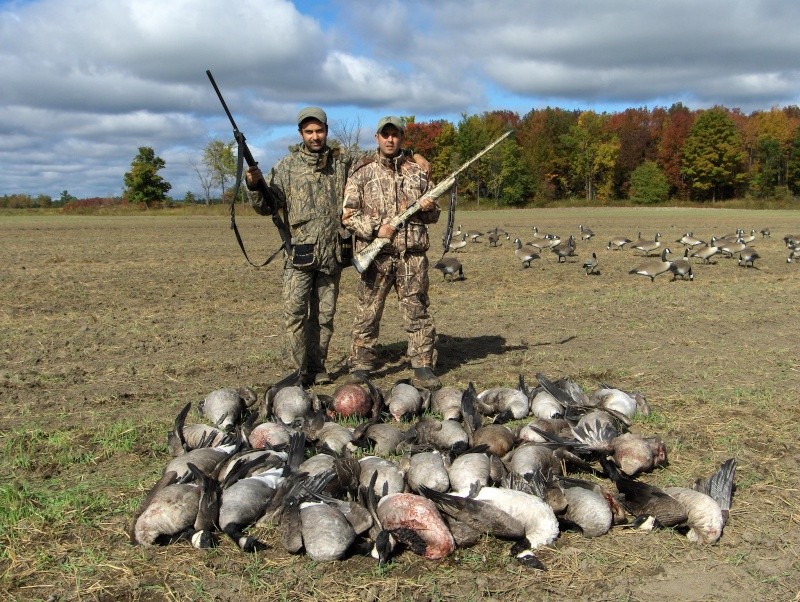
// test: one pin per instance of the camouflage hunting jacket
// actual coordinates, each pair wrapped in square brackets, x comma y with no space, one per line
[379,189]
[309,187]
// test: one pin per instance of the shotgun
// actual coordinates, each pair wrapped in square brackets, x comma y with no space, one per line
[362,260]
[263,191]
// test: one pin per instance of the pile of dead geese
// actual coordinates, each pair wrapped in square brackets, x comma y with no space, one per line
[363,472]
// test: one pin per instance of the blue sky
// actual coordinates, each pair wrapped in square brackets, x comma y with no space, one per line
[87,82]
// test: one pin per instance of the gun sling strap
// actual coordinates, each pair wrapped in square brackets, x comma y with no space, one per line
[276,218]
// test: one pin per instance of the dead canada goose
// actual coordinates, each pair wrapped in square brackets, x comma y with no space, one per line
[224,407]
[618,243]
[588,507]
[681,268]
[586,233]
[414,522]
[501,510]
[447,403]
[747,257]
[173,511]
[564,250]
[703,509]
[425,469]
[405,400]
[525,254]
[450,266]
[648,246]
[591,265]
[505,403]
[651,269]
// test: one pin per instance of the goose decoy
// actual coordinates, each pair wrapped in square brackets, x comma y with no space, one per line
[747,257]
[449,266]
[458,245]
[707,252]
[794,255]
[618,243]
[474,235]
[765,233]
[539,235]
[730,249]
[564,250]
[591,265]
[586,233]
[648,246]
[748,238]
[651,269]
[525,254]
[681,268]
[494,236]
[689,240]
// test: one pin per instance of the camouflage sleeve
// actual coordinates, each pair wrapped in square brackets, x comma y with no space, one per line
[432,216]
[353,218]
[275,196]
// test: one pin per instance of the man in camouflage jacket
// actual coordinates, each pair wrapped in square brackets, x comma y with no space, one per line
[308,184]
[381,185]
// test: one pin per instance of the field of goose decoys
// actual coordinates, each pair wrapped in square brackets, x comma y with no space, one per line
[598,435]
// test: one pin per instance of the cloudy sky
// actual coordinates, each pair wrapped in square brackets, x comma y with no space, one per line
[85,83]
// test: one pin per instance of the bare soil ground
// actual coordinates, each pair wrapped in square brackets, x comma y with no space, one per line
[109,325]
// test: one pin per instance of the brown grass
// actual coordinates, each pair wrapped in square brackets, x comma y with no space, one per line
[109,325]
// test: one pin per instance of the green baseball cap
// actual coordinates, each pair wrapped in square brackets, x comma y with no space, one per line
[312,113]
[391,120]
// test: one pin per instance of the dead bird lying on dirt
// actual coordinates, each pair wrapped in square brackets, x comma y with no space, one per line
[508,462]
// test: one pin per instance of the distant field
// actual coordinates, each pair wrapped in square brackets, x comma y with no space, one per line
[109,325]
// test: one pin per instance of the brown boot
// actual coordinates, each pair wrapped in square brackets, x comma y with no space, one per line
[424,378]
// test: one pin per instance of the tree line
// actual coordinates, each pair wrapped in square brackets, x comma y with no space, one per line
[646,155]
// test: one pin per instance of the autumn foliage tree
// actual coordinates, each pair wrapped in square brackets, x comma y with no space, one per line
[713,156]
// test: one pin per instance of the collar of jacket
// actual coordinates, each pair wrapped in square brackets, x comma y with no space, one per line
[392,163]
[319,161]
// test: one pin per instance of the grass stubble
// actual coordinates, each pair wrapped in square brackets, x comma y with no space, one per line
[109,325]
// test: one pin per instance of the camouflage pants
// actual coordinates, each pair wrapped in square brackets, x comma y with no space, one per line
[408,275]
[309,299]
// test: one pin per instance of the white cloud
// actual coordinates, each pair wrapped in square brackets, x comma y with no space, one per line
[86,82]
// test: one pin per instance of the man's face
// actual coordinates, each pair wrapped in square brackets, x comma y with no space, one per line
[390,141]
[314,134]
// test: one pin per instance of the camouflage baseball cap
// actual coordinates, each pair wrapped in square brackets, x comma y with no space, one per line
[391,120]
[312,113]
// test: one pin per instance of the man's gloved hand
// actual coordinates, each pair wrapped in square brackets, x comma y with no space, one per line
[252,177]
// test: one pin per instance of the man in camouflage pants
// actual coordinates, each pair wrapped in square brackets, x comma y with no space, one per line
[308,185]
[381,185]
